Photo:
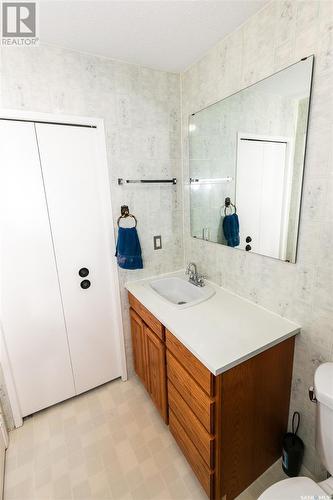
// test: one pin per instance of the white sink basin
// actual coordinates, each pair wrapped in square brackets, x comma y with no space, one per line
[181,293]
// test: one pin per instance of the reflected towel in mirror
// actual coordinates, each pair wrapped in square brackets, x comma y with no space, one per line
[231,230]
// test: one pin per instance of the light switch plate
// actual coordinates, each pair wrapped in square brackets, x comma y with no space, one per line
[157,242]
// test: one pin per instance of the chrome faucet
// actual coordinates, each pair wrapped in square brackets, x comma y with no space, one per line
[194,278]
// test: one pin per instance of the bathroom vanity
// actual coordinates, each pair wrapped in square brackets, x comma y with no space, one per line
[219,374]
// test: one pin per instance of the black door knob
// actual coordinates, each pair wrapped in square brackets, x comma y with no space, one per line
[248,248]
[83,272]
[85,284]
[248,239]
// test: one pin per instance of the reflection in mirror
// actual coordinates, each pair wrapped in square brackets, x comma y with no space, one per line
[246,164]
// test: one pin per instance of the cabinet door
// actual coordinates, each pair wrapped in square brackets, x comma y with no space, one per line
[156,364]
[32,315]
[139,347]
[78,199]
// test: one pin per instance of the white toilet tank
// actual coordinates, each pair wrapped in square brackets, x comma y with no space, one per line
[323,384]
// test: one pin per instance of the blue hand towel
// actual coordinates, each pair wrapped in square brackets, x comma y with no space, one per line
[231,230]
[128,250]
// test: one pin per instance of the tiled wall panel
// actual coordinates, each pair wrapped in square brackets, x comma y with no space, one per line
[279,35]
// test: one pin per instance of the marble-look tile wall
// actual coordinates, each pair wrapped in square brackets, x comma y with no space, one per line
[4,403]
[280,34]
[141,111]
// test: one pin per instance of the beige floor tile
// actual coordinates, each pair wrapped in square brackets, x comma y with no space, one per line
[99,483]
[107,444]
[178,490]
[141,492]
[81,491]
[42,477]
[61,488]
[119,489]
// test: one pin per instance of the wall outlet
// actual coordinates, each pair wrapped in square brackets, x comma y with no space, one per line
[157,242]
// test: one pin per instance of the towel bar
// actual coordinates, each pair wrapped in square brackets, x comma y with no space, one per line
[121,181]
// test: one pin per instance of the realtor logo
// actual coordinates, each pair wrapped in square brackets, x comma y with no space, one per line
[19,23]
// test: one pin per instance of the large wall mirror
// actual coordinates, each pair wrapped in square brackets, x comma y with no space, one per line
[246,164]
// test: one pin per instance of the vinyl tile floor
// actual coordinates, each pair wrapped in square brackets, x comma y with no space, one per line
[109,443]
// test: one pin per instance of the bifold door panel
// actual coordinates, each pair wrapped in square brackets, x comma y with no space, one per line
[57,293]
[70,163]
[31,309]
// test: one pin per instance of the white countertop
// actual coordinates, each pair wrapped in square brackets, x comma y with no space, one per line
[222,331]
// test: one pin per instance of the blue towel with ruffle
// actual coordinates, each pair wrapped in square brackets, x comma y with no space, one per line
[231,230]
[128,251]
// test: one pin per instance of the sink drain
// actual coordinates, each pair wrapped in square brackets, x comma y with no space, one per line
[181,302]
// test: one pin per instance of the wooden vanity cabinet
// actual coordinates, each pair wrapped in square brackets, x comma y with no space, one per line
[230,426]
[149,354]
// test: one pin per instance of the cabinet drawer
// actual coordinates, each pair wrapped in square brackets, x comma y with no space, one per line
[202,440]
[147,316]
[199,466]
[199,372]
[201,404]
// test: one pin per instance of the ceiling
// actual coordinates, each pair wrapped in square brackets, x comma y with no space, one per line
[161,34]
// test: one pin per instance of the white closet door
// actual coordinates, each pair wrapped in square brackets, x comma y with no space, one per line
[76,185]
[31,311]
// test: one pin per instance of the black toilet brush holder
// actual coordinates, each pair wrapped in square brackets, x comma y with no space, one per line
[293,449]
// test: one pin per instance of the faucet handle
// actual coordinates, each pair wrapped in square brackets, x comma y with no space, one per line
[201,279]
[188,268]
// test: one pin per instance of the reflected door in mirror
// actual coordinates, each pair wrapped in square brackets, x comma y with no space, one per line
[262,164]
